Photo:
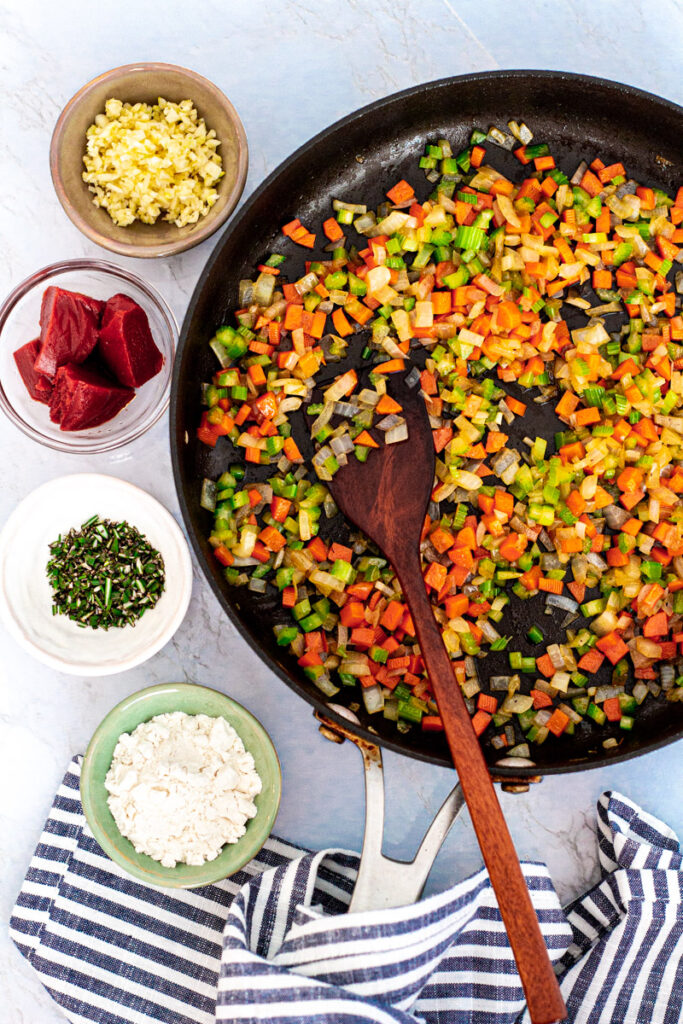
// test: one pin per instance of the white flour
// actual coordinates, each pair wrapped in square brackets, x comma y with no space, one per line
[181,786]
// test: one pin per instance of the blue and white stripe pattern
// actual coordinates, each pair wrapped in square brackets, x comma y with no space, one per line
[273,943]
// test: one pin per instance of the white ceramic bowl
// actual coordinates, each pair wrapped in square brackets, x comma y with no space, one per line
[26,596]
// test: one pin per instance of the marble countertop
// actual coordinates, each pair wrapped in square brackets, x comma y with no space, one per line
[290,68]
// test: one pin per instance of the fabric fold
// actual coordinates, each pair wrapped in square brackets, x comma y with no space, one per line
[275,942]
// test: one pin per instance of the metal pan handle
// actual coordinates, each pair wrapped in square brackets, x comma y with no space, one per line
[383,882]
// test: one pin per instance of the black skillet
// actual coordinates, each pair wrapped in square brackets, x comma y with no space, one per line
[358,159]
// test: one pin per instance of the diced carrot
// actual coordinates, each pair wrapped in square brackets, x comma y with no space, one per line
[549,186]
[550,586]
[667,249]
[575,502]
[501,187]
[366,440]
[401,192]
[314,641]
[557,722]
[591,184]
[339,552]
[257,375]
[279,508]
[224,556]
[601,498]
[291,450]
[577,590]
[441,435]
[352,614]
[272,538]
[341,324]
[613,647]
[432,723]
[480,722]
[630,479]
[318,549]
[289,228]
[630,500]
[441,302]
[242,413]
[392,615]
[332,229]
[261,552]
[435,575]
[508,316]
[503,501]
[441,539]
[603,222]
[293,317]
[602,279]
[530,578]
[513,547]
[488,703]
[309,658]
[612,709]
[607,173]
[584,417]
[616,558]
[252,455]
[545,666]
[362,637]
[318,325]
[428,382]
[477,155]
[457,605]
[567,404]
[387,405]
[518,408]
[656,625]
[541,699]
[495,441]
[591,661]
[390,366]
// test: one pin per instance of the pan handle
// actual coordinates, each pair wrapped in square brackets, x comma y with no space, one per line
[383,882]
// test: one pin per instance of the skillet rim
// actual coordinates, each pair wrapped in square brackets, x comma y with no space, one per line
[175,431]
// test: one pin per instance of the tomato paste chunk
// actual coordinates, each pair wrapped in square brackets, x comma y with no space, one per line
[38,386]
[69,325]
[126,343]
[82,397]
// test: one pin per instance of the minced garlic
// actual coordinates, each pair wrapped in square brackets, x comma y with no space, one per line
[143,161]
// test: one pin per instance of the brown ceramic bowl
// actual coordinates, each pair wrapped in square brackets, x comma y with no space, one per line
[144,83]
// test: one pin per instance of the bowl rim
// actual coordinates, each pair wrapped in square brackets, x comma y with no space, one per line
[202,230]
[184,575]
[110,848]
[105,444]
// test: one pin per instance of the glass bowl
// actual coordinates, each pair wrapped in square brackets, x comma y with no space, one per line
[19,323]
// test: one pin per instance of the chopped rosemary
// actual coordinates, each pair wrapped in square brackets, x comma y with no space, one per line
[105,574]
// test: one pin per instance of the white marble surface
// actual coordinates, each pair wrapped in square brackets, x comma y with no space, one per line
[290,68]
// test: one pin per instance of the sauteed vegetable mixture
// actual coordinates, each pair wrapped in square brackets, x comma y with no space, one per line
[463,294]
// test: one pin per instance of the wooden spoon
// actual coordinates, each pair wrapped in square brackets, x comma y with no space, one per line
[387,497]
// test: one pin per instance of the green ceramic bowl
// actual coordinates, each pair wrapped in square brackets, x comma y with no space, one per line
[193,700]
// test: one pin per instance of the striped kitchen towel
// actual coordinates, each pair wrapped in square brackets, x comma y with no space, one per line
[273,943]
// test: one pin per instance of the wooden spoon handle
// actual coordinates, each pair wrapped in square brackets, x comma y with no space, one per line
[535,970]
